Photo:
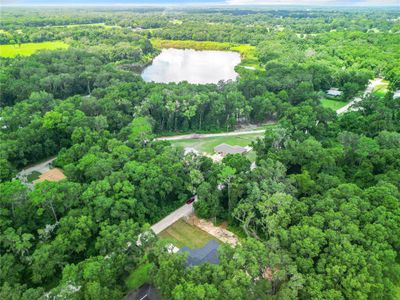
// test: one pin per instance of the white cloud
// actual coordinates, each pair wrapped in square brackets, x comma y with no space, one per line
[317,2]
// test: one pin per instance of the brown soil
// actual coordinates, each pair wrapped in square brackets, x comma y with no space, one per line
[219,232]
[51,175]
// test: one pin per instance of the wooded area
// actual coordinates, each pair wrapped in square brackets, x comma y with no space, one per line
[320,213]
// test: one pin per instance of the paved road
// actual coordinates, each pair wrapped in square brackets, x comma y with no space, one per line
[207,135]
[372,84]
[40,167]
[184,211]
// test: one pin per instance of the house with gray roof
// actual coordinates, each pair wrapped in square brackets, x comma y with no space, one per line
[224,149]
[199,256]
[334,92]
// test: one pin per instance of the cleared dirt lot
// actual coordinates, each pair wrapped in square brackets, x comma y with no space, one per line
[55,174]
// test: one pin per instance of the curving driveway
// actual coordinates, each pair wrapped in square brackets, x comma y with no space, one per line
[371,86]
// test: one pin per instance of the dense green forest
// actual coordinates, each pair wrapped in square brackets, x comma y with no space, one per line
[319,216]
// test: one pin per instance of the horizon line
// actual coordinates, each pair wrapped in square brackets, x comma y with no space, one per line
[208,4]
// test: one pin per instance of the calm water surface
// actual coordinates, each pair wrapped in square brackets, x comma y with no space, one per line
[176,65]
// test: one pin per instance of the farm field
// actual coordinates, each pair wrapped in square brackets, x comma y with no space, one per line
[183,234]
[333,104]
[30,48]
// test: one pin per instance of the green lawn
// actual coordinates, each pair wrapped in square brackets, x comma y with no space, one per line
[29,48]
[207,144]
[333,104]
[381,89]
[139,276]
[182,234]
[33,176]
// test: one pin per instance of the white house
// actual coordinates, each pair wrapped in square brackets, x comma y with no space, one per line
[334,92]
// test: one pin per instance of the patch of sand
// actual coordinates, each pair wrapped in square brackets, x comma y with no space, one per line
[55,174]
[219,232]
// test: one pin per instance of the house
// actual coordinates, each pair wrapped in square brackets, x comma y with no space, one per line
[334,92]
[224,149]
[199,256]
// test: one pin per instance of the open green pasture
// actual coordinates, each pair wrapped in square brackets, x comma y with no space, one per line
[30,48]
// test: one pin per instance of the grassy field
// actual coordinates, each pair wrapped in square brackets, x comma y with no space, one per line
[207,144]
[381,89]
[29,48]
[138,277]
[333,104]
[33,176]
[182,234]
[247,52]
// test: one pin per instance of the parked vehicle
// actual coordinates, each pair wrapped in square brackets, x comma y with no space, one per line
[190,200]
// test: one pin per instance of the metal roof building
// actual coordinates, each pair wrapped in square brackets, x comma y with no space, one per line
[207,254]
[334,92]
[225,149]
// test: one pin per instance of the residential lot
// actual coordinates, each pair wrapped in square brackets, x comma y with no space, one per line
[333,104]
[182,234]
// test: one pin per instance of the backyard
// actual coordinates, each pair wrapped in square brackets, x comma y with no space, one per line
[183,234]
[332,104]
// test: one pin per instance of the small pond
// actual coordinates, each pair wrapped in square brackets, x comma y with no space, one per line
[176,65]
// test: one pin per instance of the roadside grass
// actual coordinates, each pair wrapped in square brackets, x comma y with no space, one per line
[139,276]
[381,89]
[30,48]
[33,176]
[183,234]
[333,104]
[247,52]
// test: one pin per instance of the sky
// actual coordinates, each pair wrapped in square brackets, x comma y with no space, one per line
[208,2]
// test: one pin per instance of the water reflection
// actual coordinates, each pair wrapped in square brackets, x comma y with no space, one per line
[176,65]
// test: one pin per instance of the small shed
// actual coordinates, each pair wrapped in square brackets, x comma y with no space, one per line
[334,92]
[199,256]
[224,149]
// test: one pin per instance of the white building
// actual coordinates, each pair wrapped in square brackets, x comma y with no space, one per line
[334,92]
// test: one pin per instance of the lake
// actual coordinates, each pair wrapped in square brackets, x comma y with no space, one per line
[176,65]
